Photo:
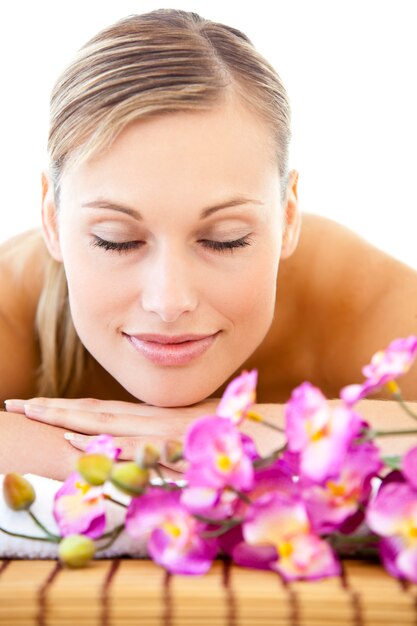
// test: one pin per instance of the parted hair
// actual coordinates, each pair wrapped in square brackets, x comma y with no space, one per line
[144,65]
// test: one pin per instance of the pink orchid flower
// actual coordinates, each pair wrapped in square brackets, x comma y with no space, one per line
[409,467]
[212,503]
[281,521]
[385,366]
[321,434]
[393,515]
[238,397]
[217,455]
[79,508]
[335,504]
[173,535]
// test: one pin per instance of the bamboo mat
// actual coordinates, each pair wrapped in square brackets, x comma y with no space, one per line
[128,592]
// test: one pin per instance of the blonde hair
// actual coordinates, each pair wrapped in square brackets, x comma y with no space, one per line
[151,64]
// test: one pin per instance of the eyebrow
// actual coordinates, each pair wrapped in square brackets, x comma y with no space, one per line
[102,203]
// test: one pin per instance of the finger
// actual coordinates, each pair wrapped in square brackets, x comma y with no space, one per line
[87,404]
[92,423]
[77,440]
[95,405]
[14,406]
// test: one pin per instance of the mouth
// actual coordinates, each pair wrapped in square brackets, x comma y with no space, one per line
[171,350]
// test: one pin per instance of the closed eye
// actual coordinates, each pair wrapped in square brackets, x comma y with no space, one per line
[222,246]
[114,246]
[218,246]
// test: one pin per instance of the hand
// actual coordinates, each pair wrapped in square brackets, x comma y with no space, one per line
[130,423]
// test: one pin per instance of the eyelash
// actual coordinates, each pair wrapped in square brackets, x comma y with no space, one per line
[218,246]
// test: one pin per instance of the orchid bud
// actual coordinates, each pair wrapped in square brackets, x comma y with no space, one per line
[95,468]
[147,456]
[76,550]
[173,451]
[129,478]
[18,492]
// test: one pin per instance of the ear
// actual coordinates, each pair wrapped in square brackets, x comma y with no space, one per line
[50,229]
[292,229]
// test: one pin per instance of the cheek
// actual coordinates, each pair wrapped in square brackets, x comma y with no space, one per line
[95,295]
[247,297]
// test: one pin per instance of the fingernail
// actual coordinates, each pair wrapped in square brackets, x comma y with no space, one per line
[14,405]
[74,437]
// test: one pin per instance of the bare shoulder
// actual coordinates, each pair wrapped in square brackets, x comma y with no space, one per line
[354,299]
[22,264]
[329,250]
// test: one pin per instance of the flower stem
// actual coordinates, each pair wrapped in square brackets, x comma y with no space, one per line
[256,417]
[109,533]
[166,484]
[398,396]
[353,539]
[223,529]
[159,472]
[267,460]
[243,496]
[9,532]
[107,497]
[113,536]
[387,433]
[38,523]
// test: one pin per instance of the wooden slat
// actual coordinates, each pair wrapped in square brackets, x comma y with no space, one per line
[196,598]
[380,598]
[42,593]
[138,594]
[20,584]
[260,595]
[323,602]
[77,594]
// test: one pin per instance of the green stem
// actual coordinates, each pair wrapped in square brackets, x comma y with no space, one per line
[113,536]
[159,472]
[272,426]
[107,497]
[256,417]
[243,496]
[109,533]
[171,486]
[8,532]
[218,522]
[220,531]
[400,399]
[267,460]
[38,523]
[387,433]
[353,539]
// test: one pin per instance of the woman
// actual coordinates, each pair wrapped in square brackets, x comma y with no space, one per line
[167,210]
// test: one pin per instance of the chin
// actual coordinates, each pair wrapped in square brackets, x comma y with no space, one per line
[169,398]
[172,400]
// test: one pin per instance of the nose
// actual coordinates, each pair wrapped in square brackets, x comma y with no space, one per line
[167,287]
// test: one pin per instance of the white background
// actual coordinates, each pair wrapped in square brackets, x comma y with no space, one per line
[350,68]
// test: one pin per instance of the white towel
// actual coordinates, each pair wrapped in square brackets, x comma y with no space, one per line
[20,522]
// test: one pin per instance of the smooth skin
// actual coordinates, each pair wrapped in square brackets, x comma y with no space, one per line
[307,299]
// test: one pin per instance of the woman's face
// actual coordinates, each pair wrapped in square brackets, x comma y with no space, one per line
[176,187]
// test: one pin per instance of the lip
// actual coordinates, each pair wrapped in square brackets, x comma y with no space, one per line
[171,339]
[171,350]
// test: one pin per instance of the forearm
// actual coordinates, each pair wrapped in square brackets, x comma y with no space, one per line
[380,414]
[384,415]
[30,446]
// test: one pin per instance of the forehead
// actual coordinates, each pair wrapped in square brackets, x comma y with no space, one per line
[208,153]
